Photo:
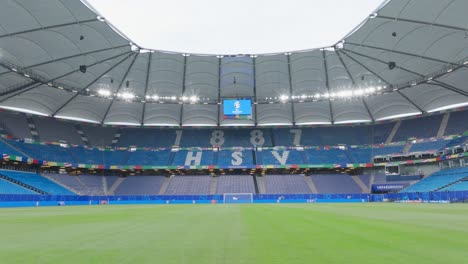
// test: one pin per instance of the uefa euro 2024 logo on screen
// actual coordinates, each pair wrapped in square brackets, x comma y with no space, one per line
[237,106]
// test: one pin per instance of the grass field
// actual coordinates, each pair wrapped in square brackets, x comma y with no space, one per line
[294,233]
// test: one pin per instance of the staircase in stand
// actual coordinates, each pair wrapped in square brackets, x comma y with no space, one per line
[24,185]
[261,184]
[450,184]
[443,125]
[311,184]
[15,148]
[213,185]
[361,184]
[393,132]
[104,184]
[164,185]
[114,186]
[61,184]
[32,128]
[407,147]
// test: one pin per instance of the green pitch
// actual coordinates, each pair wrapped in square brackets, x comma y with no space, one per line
[295,233]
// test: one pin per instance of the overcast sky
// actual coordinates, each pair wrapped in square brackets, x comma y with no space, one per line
[236,26]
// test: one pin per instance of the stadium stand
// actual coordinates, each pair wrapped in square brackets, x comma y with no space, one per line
[140,185]
[459,186]
[429,146]
[438,180]
[187,185]
[235,158]
[193,158]
[235,184]
[50,129]
[155,158]
[286,184]
[8,149]
[37,181]
[282,157]
[457,123]
[7,187]
[14,124]
[327,156]
[99,136]
[44,152]
[147,137]
[335,183]
[83,184]
[411,128]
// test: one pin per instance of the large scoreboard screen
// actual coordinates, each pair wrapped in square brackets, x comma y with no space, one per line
[237,108]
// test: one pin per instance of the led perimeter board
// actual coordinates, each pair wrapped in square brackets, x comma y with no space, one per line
[237,108]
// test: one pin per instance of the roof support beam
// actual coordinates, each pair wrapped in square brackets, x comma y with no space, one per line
[365,67]
[148,70]
[49,27]
[120,86]
[69,73]
[71,57]
[291,90]
[183,91]
[346,68]
[446,86]
[404,96]
[325,68]
[255,89]
[400,52]
[421,22]
[219,91]
[91,83]
[19,89]
[368,110]
[411,102]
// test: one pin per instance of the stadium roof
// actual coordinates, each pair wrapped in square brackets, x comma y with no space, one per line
[61,58]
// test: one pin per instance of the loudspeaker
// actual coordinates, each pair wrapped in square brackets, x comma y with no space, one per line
[391,65]
[83,68]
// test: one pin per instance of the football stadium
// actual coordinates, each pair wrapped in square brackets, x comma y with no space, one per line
[117,153]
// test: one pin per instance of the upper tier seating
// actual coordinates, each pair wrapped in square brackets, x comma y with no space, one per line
[322,136]
[155,158]
[181,158]
[457,123]
[187,185]
[147,137]
[14,124]
[423,127]
[37,181]
[235,184]
[282,157]
[233,158]
[51,129]
[429,146]
[7,187]
[323,156]
[6,149]
[286,184]
[99,136]
[438,180]
[45,152]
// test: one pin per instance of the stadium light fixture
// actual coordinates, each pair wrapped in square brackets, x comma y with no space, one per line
[284,98]
[193,98]
[126,95]
[103,92]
